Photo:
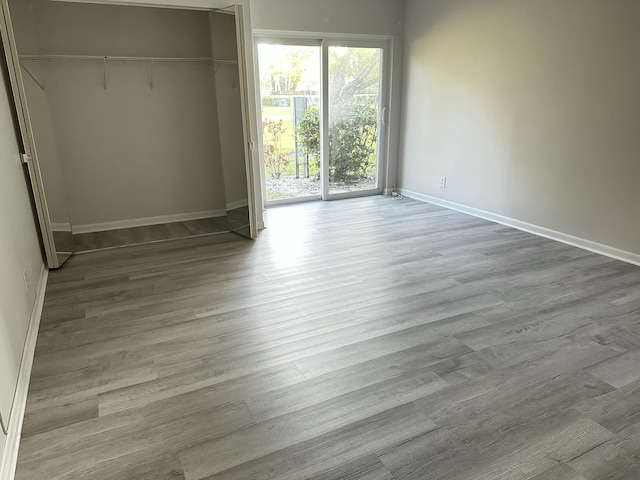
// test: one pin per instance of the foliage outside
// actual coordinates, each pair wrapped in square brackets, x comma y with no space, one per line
[309,136]
[352,140]
[274,157]
[353,97]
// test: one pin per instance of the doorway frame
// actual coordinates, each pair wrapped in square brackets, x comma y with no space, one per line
[324,41]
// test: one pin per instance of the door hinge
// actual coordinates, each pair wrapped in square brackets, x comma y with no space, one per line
[252,145]
[26,158]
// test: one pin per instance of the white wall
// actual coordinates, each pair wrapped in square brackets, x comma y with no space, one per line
[18,245]
[530,109]
[132,152]
[365,17]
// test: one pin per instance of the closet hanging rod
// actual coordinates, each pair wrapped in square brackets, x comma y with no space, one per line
[125,59]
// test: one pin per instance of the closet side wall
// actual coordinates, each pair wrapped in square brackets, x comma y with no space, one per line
[146,146]
[224,47]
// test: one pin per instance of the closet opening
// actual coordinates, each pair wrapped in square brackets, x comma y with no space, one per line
[135,121]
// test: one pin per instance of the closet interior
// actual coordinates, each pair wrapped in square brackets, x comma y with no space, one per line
[137,122]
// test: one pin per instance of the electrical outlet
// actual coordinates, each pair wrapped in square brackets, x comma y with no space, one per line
[443,182]
[26,280]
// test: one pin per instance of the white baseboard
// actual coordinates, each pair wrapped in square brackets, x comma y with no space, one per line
[143,222]
[585,244]
[237,204]
[16,417]
[60,227]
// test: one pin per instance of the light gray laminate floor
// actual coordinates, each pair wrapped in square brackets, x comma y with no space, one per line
[371,339]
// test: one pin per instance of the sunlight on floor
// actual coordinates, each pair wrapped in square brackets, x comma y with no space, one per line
[289,234]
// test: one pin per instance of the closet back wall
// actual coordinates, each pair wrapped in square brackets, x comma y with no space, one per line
[132,154]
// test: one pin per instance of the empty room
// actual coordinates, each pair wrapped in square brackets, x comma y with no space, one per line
[304,239]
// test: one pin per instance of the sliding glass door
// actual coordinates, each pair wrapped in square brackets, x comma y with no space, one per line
[355,86]
[322,118]
[290,102]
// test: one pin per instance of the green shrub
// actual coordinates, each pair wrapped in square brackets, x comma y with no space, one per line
[309,135]
[352,139]
[274,157]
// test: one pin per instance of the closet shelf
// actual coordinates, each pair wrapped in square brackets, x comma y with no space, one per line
[126,59]
[105,59]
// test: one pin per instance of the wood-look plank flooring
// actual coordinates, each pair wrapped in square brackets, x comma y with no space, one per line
[369,339]
[123,237]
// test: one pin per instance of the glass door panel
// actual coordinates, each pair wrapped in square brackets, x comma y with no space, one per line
[355,86]
[290,99]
